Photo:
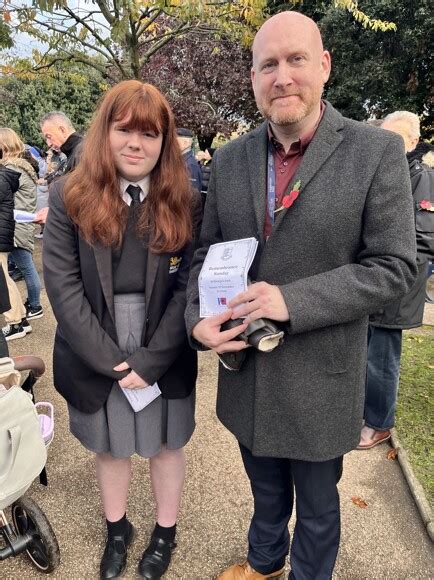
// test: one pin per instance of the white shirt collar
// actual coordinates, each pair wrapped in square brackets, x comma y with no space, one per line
[143,184]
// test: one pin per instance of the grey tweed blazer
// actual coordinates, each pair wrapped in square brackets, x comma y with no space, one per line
[343,250]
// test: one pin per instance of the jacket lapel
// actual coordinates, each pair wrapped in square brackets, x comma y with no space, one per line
[151,274]
[103,258]
[257,167]
[327,138]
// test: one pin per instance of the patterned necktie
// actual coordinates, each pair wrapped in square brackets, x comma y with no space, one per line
[134,191]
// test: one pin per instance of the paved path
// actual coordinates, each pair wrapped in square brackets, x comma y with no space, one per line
[385,540]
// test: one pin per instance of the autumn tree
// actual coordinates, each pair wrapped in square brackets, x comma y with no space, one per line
[71,89]
[126,34]
[373,73]
[207,82]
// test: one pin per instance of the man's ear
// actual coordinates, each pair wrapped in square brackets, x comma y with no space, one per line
[326,65]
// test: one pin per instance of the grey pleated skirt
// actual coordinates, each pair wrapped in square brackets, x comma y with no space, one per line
[116,428]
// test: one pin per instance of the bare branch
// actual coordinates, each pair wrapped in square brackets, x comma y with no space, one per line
[162,42]
[74,37]
[105,11]
[116,9]
[72,57]
[183,27]
[99,39]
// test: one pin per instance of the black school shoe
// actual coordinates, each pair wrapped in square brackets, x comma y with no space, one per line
[156,559]
[114,559]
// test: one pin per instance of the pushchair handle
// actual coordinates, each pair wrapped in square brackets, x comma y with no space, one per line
[30,363]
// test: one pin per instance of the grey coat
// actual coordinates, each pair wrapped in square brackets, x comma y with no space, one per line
[25,199]
[345,248]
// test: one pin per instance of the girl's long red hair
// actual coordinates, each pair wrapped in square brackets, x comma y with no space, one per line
[91,192]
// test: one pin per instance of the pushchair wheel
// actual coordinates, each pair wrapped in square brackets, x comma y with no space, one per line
[29,519]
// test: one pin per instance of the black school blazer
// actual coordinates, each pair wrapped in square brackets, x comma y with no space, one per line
[78,280]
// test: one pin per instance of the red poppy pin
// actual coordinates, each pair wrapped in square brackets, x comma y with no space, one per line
[426,205]
[289,199]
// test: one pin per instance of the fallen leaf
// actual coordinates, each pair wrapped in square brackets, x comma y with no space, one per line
[392,454]
[359,502]
[431,366]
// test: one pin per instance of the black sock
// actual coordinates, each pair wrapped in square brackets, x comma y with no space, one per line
[167,534]
[118,528]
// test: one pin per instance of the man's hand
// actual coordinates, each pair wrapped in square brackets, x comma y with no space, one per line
[208,333]
[132,380]
[261,300]
[41,216]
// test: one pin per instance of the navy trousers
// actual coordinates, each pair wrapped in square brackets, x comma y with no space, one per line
[317,531]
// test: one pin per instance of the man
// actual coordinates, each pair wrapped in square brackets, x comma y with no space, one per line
[334,222]
[385,326]
[185,140]
[60,135]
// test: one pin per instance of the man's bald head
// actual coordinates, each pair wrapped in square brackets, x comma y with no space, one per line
[289,70]
[282,23]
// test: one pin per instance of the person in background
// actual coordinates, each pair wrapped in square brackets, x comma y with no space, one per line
[12,152]
[329,201]
[386,325]
[65,143]
[5,305]
[117,248]
[205,160]
[424,153]
[59,133]
[38,157]
[185,140]
[11,304]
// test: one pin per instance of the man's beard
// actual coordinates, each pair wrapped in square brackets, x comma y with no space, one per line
[288,115]
[284,117]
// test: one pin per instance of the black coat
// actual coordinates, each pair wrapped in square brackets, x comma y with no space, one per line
[206,173]
[72,149]
[78,279]
[4,307]
[408,311]
[4,294]
[9,184]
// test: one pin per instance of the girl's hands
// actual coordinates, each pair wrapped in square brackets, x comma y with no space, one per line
[132,380]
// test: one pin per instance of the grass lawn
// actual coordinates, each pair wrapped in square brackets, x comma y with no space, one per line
[415,403]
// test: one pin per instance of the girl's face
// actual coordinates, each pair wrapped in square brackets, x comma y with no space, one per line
[135,153]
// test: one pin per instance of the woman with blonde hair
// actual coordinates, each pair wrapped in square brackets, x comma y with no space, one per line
[117,249]
[13,156]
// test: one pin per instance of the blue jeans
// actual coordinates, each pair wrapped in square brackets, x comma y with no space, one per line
[382,378]
[24,262]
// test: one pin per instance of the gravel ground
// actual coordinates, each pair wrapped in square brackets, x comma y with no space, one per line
[385,540]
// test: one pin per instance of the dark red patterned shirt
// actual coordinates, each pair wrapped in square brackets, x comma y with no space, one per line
[286,164]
